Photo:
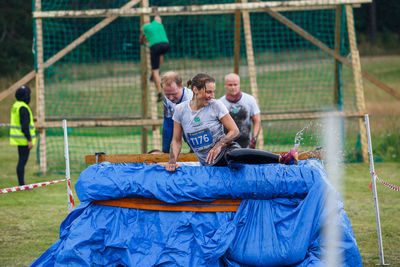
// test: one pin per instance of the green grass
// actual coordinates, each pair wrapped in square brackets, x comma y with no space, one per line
[359,205]
[30,220]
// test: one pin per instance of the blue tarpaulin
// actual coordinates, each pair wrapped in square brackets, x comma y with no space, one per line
[279,221]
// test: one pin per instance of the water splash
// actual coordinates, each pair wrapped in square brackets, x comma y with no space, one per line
[299,135]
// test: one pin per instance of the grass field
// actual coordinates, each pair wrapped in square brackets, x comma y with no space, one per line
[29,220]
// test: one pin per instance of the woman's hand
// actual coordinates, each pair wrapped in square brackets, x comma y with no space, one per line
[171,166]
[176,146]
[213,154]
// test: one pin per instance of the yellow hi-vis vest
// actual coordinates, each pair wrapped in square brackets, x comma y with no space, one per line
[17,137]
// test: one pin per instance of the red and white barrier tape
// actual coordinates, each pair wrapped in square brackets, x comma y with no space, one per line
[28,186]
[71,202]
[393,187]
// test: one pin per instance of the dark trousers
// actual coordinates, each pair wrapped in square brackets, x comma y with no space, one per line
[247,156]
[23,154]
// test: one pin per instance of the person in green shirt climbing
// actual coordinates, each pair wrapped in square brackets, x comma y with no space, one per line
[22,129]
[155,34]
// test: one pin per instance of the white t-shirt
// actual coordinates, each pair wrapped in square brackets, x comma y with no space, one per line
[241,112]
[202,128]
[169,107]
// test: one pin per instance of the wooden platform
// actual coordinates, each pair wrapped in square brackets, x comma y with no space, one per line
[184,157]
[219,205]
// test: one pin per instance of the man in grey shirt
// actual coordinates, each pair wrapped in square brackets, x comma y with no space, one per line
[243,109]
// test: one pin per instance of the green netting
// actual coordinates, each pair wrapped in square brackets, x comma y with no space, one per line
[101,78]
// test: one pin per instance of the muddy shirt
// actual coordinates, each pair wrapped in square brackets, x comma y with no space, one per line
[241,112]
[202,128]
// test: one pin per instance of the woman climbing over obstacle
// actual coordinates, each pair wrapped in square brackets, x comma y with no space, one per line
[202,120]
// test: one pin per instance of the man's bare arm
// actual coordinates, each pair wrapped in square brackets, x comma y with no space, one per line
[156,14]
[256,125]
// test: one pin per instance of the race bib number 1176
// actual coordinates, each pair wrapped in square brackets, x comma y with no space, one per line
[200,140]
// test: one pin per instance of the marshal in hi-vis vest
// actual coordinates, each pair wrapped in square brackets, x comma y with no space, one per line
[17,137]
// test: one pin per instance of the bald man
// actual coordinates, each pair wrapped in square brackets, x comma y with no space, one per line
[243,109]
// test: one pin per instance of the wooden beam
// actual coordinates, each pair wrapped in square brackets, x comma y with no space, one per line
[27,78]
[199,9]
[356,67]
[40,102]
[100,123]
[167,11]
[153,101]
[139,158]
[303,33]
[380,84]
[60,54]
[308,115]
[337,86]
[185,157]
[236,45]
[219,205]
[145,78]
[251,64]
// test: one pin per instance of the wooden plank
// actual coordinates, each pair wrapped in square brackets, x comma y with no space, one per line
[356,67]
[40,103]
[150,123]
[184,157]
[94,117]
[337,88]
[303,33]
[88,34]
[139,158]
[152,91]
[355,59]
[236,45]
[199,9]
[166,11]
[380,84]
[24,80]
[145,79]
[251,65]
[309,115]
[100,123]
[219,205]
[60,54]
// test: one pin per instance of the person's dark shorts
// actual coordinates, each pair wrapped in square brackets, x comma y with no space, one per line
[155,52]
[222,160]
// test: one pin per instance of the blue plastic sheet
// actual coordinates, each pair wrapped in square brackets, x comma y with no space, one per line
[279,222]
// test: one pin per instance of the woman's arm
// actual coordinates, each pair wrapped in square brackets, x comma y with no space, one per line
[176,146]
[233,132]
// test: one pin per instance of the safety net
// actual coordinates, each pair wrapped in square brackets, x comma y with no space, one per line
[101,79]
